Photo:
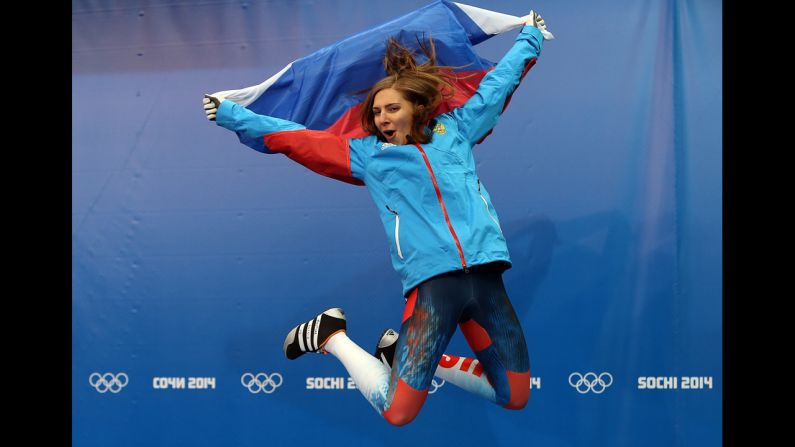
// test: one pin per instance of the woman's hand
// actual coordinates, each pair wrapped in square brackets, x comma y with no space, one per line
[211,104]
[534,19]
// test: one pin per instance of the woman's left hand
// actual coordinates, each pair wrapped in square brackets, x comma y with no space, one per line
[534,19]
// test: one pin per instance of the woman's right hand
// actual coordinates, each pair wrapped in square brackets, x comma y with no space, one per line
[211,104]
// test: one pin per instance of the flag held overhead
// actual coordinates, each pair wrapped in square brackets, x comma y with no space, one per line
[333,80]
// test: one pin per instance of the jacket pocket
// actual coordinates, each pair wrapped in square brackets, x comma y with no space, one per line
[488,211]
[397,231]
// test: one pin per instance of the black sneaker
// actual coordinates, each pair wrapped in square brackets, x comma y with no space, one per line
[385,349]
[313,335]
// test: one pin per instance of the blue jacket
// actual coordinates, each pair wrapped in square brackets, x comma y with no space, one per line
[436,212]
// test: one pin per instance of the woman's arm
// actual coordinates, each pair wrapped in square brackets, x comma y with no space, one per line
[481,112]
[250,127]
[322,152]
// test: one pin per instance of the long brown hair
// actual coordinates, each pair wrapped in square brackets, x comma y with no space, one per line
[424,85]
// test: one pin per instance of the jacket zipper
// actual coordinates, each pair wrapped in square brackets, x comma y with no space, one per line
[397,231]
[444,210]
[487,207]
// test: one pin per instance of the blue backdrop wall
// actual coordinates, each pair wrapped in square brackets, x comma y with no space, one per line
[193,255]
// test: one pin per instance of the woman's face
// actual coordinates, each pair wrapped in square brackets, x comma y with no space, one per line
[393,115]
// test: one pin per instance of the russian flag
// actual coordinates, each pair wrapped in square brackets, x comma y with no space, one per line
[324,90]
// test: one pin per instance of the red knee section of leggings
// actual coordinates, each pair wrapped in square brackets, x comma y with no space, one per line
[406,404]
[409,309]
[476,336]
[520,390]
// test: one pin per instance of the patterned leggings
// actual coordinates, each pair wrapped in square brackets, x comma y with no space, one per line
[477,303]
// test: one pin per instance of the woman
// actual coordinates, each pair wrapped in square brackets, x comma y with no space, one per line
[445,238]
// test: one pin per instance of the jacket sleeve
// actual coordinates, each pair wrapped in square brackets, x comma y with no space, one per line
[477,116]
[322,152]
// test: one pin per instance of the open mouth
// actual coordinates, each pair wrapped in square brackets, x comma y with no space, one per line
[389,133]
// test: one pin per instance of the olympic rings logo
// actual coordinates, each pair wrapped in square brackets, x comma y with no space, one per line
[261,382]
[590,382]
[108,382]
[435,386]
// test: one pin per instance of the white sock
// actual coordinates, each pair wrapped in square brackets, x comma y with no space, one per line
[368,373]
[472,378]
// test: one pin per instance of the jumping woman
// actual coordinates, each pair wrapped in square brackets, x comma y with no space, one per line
[445,238]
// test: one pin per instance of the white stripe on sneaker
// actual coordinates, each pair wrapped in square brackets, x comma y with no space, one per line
[300,336]
[317,330]
[309,346]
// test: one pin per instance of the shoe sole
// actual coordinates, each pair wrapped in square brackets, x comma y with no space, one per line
[378,346]
[381,338]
